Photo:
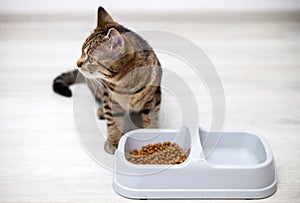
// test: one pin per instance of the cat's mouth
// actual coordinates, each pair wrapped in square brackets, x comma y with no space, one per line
[85,72]
[93,74]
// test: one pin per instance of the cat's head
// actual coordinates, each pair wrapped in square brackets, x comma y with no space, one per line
[102,48]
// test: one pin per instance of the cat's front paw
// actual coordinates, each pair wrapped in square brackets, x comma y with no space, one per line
[110,148]
[100,113]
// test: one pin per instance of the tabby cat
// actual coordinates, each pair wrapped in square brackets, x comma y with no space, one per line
[126,73]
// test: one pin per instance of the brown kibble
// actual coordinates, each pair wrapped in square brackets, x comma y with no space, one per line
[158,153]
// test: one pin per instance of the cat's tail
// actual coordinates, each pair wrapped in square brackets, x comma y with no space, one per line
[62,82]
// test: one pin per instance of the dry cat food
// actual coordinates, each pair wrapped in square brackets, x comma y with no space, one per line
[158,153]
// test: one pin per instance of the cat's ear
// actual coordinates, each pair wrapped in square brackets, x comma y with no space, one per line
[116,40]
[103,17]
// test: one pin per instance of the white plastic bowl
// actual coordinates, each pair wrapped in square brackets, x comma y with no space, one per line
[240,165]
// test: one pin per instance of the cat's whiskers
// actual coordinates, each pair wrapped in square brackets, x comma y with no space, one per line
[96,80]
[85,73]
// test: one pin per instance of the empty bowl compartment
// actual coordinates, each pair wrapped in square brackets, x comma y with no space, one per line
[233,148]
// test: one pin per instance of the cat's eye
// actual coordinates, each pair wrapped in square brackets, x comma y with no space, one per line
[91,59]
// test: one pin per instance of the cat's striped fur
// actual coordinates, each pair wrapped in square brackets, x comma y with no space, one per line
[126,72]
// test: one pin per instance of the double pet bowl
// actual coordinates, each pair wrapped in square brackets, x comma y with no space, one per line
[218,165]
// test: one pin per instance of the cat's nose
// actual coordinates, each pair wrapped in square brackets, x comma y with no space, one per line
[79,63]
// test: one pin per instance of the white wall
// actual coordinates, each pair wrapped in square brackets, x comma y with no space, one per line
[123,6]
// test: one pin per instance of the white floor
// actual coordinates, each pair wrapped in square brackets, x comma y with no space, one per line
[41,158]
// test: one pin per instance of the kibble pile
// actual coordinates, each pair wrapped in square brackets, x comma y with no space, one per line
[158,153]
